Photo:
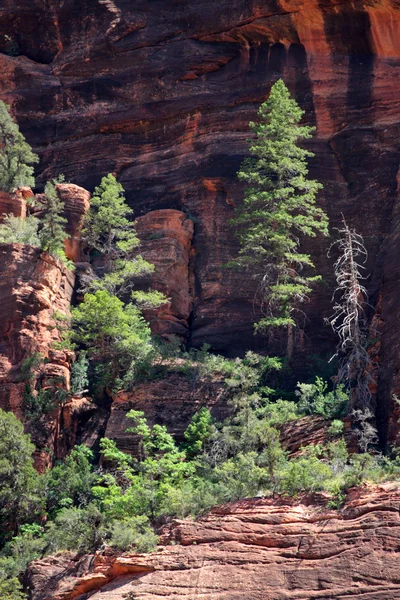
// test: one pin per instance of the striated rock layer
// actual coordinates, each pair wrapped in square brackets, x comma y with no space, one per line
[254,549]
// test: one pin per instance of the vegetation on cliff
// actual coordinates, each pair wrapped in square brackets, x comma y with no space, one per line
[78,505]
[16,156]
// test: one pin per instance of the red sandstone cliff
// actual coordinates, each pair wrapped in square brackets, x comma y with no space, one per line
[252,550]
[32,286]
[162,96]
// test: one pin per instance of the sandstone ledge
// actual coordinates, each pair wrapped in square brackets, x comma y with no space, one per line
[256,549]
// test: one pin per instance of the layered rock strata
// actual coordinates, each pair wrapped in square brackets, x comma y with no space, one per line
[255,549]
[163,98]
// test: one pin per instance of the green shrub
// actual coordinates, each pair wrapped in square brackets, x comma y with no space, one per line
[11,589]
[336,428]
[134,532]
[314,398]
[16,230]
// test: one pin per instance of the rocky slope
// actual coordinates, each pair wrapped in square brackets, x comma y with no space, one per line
[162,96]
[254,549]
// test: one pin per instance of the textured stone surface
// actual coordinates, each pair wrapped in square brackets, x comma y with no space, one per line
[76,204]
[255,550]
[32,286]
[171,400]
[162,96]
[166,242]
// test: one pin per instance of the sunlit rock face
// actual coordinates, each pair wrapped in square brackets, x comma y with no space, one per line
[162,96]
[33,285]
[255,549]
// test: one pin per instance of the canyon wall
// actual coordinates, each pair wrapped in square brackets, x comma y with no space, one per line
[162,96]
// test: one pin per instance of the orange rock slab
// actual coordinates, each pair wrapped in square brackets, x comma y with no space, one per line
[256,549]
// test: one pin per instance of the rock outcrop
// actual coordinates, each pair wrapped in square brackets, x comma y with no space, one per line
[33,285]
[166,242]
[254,549]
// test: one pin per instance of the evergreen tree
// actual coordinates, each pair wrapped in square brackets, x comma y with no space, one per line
[52,233]
[16,156]
[279,207]
[109,232]
[115,334]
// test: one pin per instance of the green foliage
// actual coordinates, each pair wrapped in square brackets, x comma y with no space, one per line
[240,477]
[71,481]
[28,545]
[134,532]
[16,230]
[20,498]
[109,232]
[304,474]
[75,529]
[279,208]
[79,375]
[114,334]
[11,589]
[314,398]
[198,432]
[16,156]
[336,428]
[52,233]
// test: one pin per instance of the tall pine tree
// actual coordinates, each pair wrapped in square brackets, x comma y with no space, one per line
[279,208]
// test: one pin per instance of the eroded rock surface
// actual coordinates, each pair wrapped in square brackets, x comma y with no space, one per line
[166,242]
[255,549]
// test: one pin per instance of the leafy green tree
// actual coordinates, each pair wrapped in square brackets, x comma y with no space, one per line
[16,156]
[20,497]
[114,334]
[160,467]
[314,398]
[279,208]
[198,432]
[52,233]
[240,477]
[75,529]
[11,589]
[70,482]
[134,532]
[110,233]
[16,230]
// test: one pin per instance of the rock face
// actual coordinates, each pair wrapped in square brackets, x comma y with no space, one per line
[171,400]
[32,286]
[255,549]
[163,98]
[166,242]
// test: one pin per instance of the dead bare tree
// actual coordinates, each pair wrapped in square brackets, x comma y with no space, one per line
[349,322]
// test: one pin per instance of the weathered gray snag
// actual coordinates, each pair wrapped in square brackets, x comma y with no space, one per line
[350,323]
